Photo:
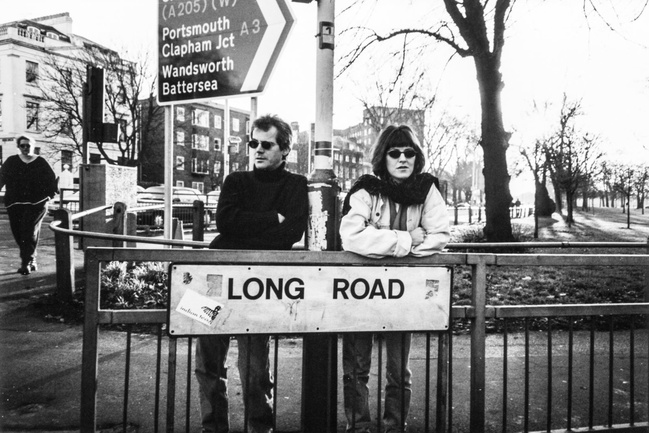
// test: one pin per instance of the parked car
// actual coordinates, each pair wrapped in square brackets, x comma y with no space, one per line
[182,198]
[179,194]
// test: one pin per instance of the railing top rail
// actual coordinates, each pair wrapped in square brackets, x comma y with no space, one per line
[54,226]
[523,245]
[84,213]
[325,258]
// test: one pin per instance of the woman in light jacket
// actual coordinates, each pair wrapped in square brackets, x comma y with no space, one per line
[396,213]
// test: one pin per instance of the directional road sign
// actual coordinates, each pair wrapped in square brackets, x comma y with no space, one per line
[218,48]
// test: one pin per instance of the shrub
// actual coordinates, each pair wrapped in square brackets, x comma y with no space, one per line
[126,285]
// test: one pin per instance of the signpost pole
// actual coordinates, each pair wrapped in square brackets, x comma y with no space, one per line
[226,139]
[168,169]
[319,381]
[254,108]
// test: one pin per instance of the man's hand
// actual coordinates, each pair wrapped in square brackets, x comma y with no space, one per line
[280,217]
[418,235]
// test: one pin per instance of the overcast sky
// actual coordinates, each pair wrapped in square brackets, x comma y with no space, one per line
[550,50]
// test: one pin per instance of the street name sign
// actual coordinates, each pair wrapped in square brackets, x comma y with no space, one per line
[218,48]
[261,299]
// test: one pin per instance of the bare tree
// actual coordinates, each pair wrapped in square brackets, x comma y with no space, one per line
[641,185]
[478,33]
[624,176]
[62,92]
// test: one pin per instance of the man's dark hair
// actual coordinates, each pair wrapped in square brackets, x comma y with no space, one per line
[395,136]
[284,132]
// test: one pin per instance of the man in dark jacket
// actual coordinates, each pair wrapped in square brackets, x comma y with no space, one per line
[263,209]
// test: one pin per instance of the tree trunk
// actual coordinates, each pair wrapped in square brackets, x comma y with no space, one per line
[494,142]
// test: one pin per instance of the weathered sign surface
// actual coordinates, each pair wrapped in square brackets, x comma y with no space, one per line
[255,299]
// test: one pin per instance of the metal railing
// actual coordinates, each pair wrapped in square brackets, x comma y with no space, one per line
[485,400]
[476,399]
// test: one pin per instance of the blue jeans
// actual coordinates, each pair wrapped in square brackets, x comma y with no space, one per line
[357,360]
[256,378]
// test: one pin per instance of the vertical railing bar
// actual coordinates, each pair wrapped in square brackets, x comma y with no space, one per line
[188,401]
[526,408]
[427,389]
[449,403]
[549,396]
[402,385]
[89,361]
[570,371]
[632,372]
[156,409]
[246,391]
[478,367]
[379,387]
[591,375]
[610,371]
[505,368]
[275,378]
[171,383]
[127,375]
[443,378]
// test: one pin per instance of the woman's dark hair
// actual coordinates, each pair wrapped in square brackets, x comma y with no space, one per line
[395,136]
[284,131]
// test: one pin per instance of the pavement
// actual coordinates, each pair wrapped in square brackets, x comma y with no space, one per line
[40,367]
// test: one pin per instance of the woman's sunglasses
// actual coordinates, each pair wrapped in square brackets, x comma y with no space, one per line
[396,154]
[265,144]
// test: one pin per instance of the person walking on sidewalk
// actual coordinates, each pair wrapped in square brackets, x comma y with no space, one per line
[30,183]
[396,213]
[262,209]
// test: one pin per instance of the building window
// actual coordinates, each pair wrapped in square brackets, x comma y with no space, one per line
[201,118]
[180,183]
[180,162]
[31,111]
[31,72]
[180,114]
[235,125]
[200,166]
[199,186]
[200,142]
[180,137]
[217,122]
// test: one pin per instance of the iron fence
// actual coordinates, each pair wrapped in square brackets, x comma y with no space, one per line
[564,367]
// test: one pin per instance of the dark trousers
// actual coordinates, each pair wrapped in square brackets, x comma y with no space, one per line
[25,222]
[256,381]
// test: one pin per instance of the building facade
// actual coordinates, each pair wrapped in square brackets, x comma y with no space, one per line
[25,47]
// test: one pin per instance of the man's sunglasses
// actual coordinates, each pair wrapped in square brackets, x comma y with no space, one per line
[396,154]
[24,145]
[265,144]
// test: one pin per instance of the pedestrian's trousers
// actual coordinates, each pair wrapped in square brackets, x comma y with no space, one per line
[256,381]
[357,359]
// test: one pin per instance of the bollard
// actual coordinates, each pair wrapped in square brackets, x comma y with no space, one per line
[64,256]
[119,223]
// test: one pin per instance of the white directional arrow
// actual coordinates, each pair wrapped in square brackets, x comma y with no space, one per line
[270,41]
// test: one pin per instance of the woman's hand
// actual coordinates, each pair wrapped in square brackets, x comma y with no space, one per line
[418,235]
